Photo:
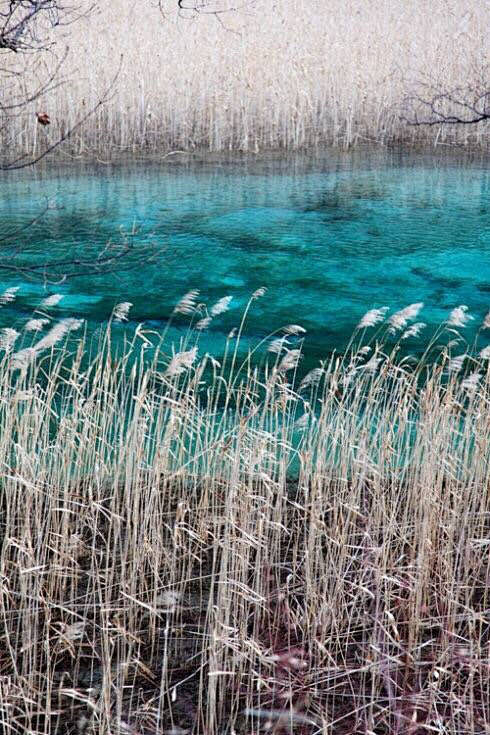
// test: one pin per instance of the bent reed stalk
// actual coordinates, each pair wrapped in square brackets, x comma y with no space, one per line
[289,75]
[189,549]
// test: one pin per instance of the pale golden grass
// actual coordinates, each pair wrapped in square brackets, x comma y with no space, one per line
[189,548]
[283,75]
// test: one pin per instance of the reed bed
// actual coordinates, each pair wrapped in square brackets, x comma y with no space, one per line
[209,544]
[299,73]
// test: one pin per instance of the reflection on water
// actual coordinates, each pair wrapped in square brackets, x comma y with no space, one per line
[329,236]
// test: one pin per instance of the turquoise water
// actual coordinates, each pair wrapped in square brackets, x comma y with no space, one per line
[330,236]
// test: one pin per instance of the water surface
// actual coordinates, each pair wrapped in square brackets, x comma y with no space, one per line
[330,236]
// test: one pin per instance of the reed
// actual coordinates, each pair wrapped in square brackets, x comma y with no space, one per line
[294,74]
[197,543]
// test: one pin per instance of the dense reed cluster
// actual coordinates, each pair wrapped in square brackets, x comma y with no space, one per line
[264,76]
[197,543]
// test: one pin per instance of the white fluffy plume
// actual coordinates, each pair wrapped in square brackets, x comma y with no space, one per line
[459,317]
[9,295]
[294,329]
[188,303]
[221,306]
[121,311]
[372,317]
[181,362]
[278,344]
[8,338]
[290,360]
[22,359]
[414,330]
[57,333]
[35,325]
[399,319]
[203,323]
[471,383]
[52,300]
[456,363]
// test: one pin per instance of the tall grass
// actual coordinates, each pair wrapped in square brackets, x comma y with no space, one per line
[269,75]
[220,544]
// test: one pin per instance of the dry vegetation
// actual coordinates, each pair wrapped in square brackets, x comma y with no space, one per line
[201,546]
[269,75]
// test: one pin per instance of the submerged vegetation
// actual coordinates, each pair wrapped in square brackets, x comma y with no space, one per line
[266,75]
[197,543]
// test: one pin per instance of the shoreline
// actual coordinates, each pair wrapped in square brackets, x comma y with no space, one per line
[313,156]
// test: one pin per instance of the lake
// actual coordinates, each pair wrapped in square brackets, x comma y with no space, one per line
[329,235]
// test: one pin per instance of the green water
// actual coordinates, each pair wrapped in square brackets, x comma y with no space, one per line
[330,236]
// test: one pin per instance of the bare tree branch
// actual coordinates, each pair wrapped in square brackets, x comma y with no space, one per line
[25,24]
[87,260]
[433,104]
[26,36]
[15,233]
[217,8]
[15,165]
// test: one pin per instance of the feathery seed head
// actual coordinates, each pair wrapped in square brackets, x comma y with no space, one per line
[456,363]
[372,317]
[121,311]
[470,384]
[278,345]
[181,361]
[259,293]
[294,329]
[221,306]
[371,365]
[7,339]
[203,323]
[52,300]
[311,379]
[399,319]
[9,295]
[458,317]
[363,351]
[290,360]
[22,359]
[414,330]
[35,325]
[188,303]
[57,333]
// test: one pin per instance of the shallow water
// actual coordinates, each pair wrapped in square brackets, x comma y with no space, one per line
[330,236]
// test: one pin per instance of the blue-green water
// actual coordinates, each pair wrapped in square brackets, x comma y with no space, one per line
[330,236]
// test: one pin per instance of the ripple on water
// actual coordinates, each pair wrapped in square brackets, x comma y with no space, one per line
[330,237]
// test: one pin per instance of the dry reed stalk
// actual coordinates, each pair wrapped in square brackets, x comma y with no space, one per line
[161,571]
[298,73]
